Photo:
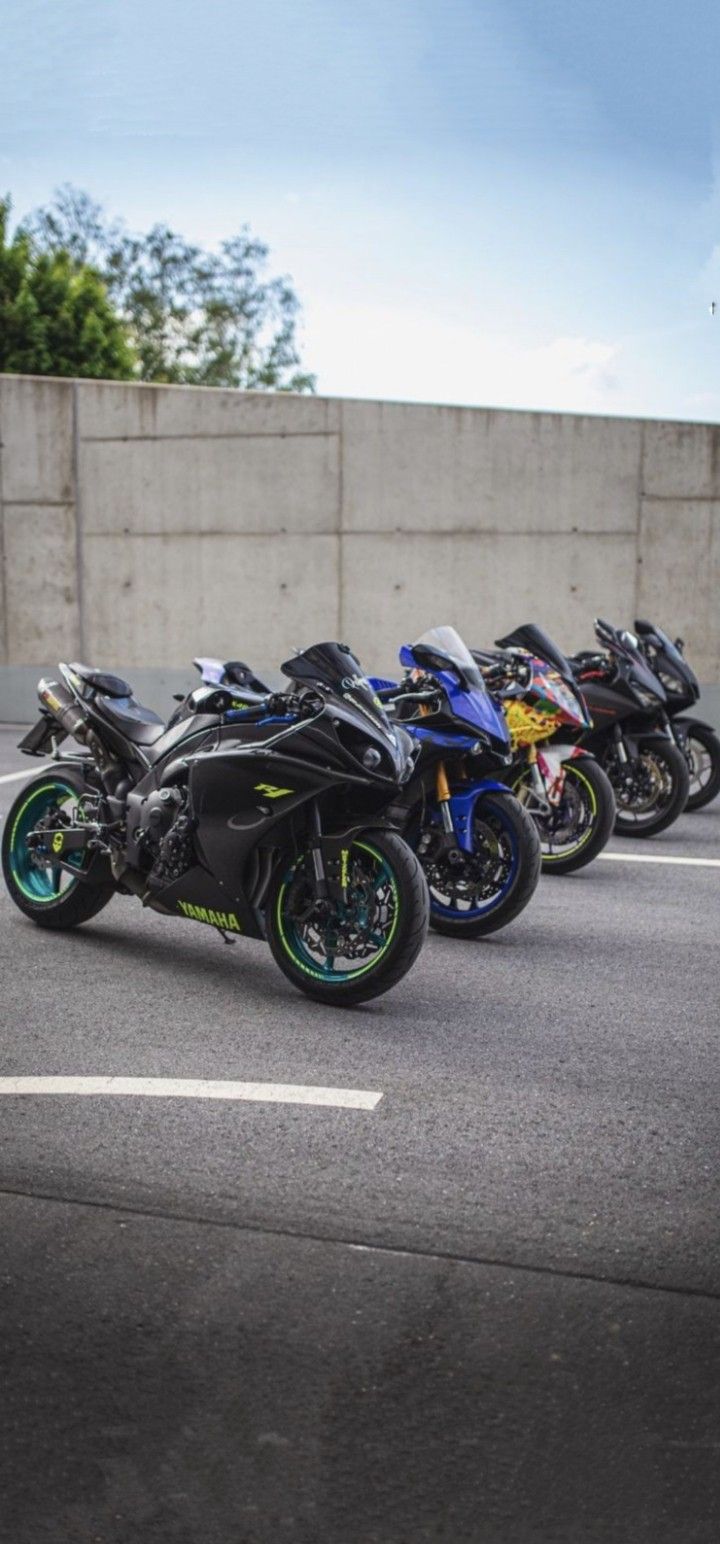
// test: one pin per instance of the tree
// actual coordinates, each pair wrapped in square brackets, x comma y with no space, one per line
[195,317]
[55,314]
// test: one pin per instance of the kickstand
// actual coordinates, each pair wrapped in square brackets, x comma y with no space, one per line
[226,936]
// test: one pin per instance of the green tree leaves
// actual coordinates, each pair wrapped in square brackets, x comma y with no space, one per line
[55,314]
[193,317]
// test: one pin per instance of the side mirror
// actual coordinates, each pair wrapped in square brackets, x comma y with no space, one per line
[680,644]
[213,699]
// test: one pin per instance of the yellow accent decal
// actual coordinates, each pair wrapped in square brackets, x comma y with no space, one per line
[57,842]
[344,855]
[272,792]
[223,919]
[527,724]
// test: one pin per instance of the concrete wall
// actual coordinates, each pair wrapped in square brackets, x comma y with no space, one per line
[141,525]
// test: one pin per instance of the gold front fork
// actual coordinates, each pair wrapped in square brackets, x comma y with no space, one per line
[442,794]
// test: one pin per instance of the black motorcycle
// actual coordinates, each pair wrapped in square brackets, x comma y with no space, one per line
[697,740]
[626,702]
[266,820]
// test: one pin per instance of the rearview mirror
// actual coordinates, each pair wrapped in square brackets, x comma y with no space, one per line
[212,699]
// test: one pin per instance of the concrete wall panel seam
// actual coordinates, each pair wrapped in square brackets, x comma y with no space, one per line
[79,554]
[4,623]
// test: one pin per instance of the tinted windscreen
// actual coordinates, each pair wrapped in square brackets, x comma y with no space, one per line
[334,666]
[446,641]
[533,638]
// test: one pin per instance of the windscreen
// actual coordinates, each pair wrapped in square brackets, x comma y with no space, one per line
[533,638]
[625,644]
[670,649]
[334,666]
[446,640]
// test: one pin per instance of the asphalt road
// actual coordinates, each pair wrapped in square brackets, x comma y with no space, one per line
[487,1310]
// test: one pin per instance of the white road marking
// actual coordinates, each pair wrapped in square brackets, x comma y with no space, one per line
[14,777]
[197,1088]
[656,857]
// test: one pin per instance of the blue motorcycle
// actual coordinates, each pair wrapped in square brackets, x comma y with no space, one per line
[479,848]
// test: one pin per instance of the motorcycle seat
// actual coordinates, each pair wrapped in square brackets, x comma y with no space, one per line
[101,681]
[130,718]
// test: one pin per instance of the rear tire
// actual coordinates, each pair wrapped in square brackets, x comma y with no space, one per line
[671,767]
[33,887]
[521,830]
[708,744]
[389,868]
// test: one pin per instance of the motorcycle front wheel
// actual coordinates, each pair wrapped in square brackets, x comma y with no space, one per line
[348,952]
[494,883]
[652,790]
[576,830]
[702,751]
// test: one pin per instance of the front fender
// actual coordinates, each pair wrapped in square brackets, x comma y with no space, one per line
[693,723]
[462,808]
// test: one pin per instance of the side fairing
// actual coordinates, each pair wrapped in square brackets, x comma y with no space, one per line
[238,800]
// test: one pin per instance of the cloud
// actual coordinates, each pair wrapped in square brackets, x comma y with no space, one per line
[376,351]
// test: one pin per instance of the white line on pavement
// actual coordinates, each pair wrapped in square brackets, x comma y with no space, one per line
[197,1088]
[14,777]
[656,857]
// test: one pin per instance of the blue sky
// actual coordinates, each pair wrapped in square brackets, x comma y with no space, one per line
[511,204]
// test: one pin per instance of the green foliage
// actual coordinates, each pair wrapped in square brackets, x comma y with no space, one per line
[55,314]
[195,317]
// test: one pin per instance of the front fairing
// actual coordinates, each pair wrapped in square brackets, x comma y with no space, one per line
[470,707]
[548,686]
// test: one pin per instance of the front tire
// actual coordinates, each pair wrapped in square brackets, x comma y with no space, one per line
[662,796]
[577,831]
[46,893]
[702,752]
[381,927]
[507,858]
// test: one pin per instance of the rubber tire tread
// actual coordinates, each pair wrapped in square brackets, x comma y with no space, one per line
[711,741]
[604,825]
[405,947]
[681,777]
[526,879]
[80,904]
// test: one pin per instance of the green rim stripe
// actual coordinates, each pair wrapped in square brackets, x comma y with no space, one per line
[568,852]
[348,975]
[38,900]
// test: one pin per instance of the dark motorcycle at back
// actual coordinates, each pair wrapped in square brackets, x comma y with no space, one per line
[265,820]
[629,734]
[696,739]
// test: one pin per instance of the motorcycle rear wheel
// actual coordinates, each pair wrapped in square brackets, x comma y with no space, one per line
[42,890]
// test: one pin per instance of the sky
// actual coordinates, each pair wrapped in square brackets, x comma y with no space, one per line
[508,204]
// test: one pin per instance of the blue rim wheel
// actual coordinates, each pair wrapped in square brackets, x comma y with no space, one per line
[52,803]
[489,875]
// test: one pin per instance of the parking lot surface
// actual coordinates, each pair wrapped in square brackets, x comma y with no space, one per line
[483,1307]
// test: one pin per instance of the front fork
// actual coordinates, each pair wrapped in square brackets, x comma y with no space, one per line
[330,861]
[442,794]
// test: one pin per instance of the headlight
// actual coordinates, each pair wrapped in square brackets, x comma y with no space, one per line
[371,758]
[648,699]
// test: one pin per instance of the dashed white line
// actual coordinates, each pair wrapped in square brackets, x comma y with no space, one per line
[196,1088]
[656,857]
[15,777]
